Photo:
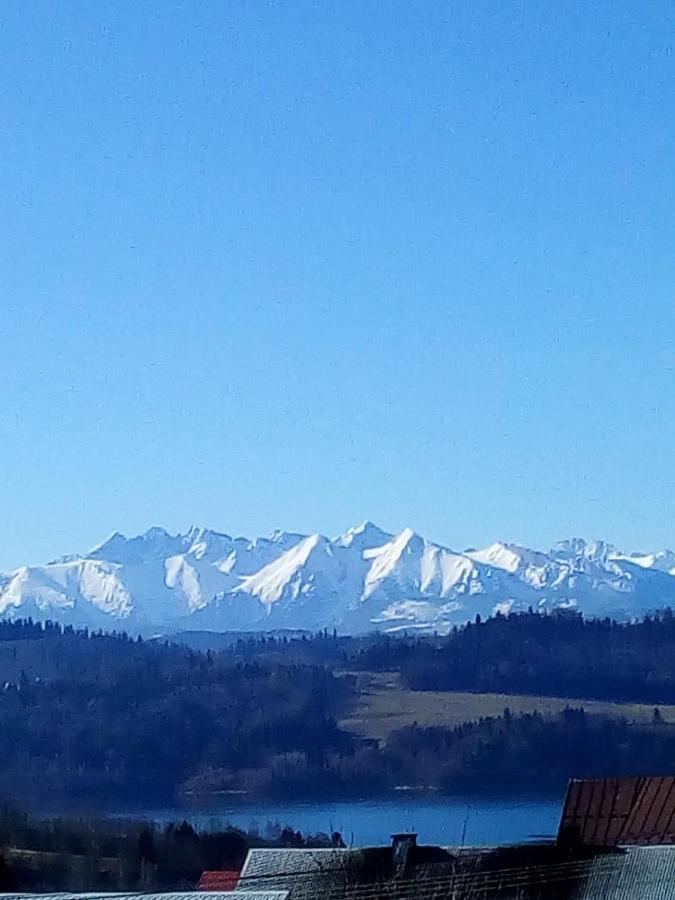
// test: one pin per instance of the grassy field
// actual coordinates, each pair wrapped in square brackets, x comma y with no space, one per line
[384,705]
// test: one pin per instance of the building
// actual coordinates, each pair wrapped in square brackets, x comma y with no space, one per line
[616,841]
[613,844]
[612,812]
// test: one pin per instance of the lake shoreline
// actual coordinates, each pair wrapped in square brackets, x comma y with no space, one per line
[453,821]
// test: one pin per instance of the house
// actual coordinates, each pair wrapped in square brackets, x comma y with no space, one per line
[342,872]
[551,870]
[616,842]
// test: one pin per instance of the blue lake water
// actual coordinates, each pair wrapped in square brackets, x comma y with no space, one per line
[446,821]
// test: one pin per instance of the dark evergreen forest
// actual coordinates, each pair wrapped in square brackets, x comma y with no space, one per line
[96,855]
[112,718]
[556,655]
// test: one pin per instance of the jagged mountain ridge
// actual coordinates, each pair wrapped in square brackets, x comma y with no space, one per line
[363,580]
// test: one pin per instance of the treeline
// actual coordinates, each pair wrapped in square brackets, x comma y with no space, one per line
[86,855]
[116,719]
[111,717]
[559,655]
[529,752]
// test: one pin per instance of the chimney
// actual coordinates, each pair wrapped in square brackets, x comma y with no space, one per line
[401,844]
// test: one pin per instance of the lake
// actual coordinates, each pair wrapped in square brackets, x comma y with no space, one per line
[446,821]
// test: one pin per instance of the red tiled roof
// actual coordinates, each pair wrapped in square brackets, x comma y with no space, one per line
[611,811]
[219,880]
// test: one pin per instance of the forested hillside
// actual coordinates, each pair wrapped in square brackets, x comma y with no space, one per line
[557,655]
[530,752]
[104,716]
[108,715]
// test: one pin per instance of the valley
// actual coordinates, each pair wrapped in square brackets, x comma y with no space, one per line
[383,705]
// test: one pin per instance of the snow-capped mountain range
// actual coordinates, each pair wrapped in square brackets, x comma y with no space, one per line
[363,580]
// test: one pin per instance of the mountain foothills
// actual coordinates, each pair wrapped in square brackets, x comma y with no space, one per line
[283,716]
[364,580]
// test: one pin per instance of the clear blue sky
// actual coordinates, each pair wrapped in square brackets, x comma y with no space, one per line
[300,263]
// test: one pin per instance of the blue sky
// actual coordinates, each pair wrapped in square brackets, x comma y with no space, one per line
[300,263]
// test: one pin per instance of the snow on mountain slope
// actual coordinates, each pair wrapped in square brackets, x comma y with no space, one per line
[418,568]
[67,586]
[212,563]
[663,560]
[395,565]
[154,543]
[364,579]
[364,537]
[509,557]
[293,573]
[303,585]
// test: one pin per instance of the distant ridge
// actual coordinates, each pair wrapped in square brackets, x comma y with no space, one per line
[363,580]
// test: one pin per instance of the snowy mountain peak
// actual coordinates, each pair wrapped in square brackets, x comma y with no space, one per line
[406,541]
[576,548]
[364,536]
[154,533]
[364,579]
[291,573]
[116,538]
[661,561]
[201,542]
[509,557]
[112,548]
[197,534]
[285,538]
[155,541]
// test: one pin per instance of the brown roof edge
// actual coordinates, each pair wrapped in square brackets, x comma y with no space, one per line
[608,812]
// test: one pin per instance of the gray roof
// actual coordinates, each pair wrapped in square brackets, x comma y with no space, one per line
[637,873]
[303,872]
[630,873]
[272,862]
